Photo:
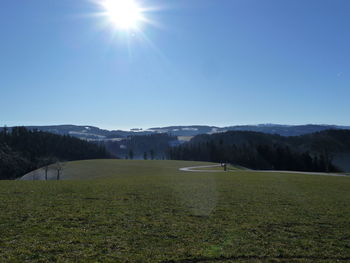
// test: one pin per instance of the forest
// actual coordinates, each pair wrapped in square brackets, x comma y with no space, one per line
[23,150]
[152,146]
[311,152]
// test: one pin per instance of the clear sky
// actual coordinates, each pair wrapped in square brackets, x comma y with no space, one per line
[215,62]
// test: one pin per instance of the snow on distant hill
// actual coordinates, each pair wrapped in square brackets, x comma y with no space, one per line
[95,133]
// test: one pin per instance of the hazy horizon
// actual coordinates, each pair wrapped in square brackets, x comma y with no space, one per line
[169,125]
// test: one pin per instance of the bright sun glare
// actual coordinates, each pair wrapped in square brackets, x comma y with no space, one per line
[124,14]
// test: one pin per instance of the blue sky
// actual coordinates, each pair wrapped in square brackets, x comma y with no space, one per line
[215,62]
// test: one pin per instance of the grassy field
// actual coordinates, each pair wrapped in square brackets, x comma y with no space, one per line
[149,211]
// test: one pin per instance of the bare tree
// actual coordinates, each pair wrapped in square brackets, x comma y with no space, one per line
[46,163]
[46,169]
[58,166]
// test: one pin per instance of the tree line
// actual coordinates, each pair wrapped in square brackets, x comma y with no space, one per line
[153,146]
[312,152]
[23,150]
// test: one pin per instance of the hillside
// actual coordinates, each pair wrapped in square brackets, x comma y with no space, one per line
[97,134]
[310,152]
[110,168]
[283,130]
[22,150]
[154,142]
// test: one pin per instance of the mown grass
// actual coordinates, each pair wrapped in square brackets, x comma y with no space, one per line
[148,211]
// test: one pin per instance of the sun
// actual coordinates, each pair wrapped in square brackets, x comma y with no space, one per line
[124,14]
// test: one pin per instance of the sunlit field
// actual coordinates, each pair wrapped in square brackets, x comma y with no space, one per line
[149,211]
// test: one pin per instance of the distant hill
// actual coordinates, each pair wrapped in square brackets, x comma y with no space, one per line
[97,134]
[283,130]
[137,142]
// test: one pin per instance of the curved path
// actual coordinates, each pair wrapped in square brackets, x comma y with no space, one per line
[195,168]
[199,169]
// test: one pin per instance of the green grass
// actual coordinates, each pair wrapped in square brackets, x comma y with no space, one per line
[148,211]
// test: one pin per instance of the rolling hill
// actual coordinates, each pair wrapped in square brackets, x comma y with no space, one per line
[95,133]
